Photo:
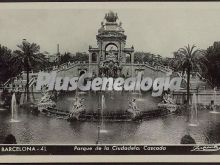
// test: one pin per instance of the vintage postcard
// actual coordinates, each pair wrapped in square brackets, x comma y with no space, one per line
[110,78]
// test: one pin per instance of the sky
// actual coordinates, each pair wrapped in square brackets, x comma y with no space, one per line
[156,27]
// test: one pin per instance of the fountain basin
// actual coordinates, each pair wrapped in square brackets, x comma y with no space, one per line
[214,112]
[3,109]
[107,116]
[108,106]
[14,121]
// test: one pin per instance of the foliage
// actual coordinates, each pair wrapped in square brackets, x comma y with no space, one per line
[79,56]
[138,57]
[28,57]
[66,57]
[213,63]
[6,69]
[146,57]
[189,59]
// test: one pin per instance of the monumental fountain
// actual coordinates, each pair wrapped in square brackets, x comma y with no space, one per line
[102,106]
[110,77]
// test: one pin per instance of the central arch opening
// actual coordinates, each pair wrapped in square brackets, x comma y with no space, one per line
[111,52]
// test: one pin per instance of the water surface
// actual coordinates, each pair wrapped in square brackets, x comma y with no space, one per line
[42,129]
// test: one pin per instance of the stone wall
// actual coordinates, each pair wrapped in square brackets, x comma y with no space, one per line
[148,71]
[203,97]
[74,70]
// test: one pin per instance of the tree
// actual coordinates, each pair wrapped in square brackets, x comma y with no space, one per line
[138,57]
[166,61]
[213,64]
[159,59]
[6,68]
[82,57]
[189,59]
[67,57]
[26,57]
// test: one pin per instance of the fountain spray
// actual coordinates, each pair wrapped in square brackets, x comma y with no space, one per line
[194,112]
[13,109]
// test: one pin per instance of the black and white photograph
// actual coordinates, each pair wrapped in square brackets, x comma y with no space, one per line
[122,76]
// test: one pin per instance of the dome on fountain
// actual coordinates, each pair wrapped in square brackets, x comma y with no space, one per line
[111,16]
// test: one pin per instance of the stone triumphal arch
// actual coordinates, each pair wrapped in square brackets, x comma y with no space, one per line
[111,53]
